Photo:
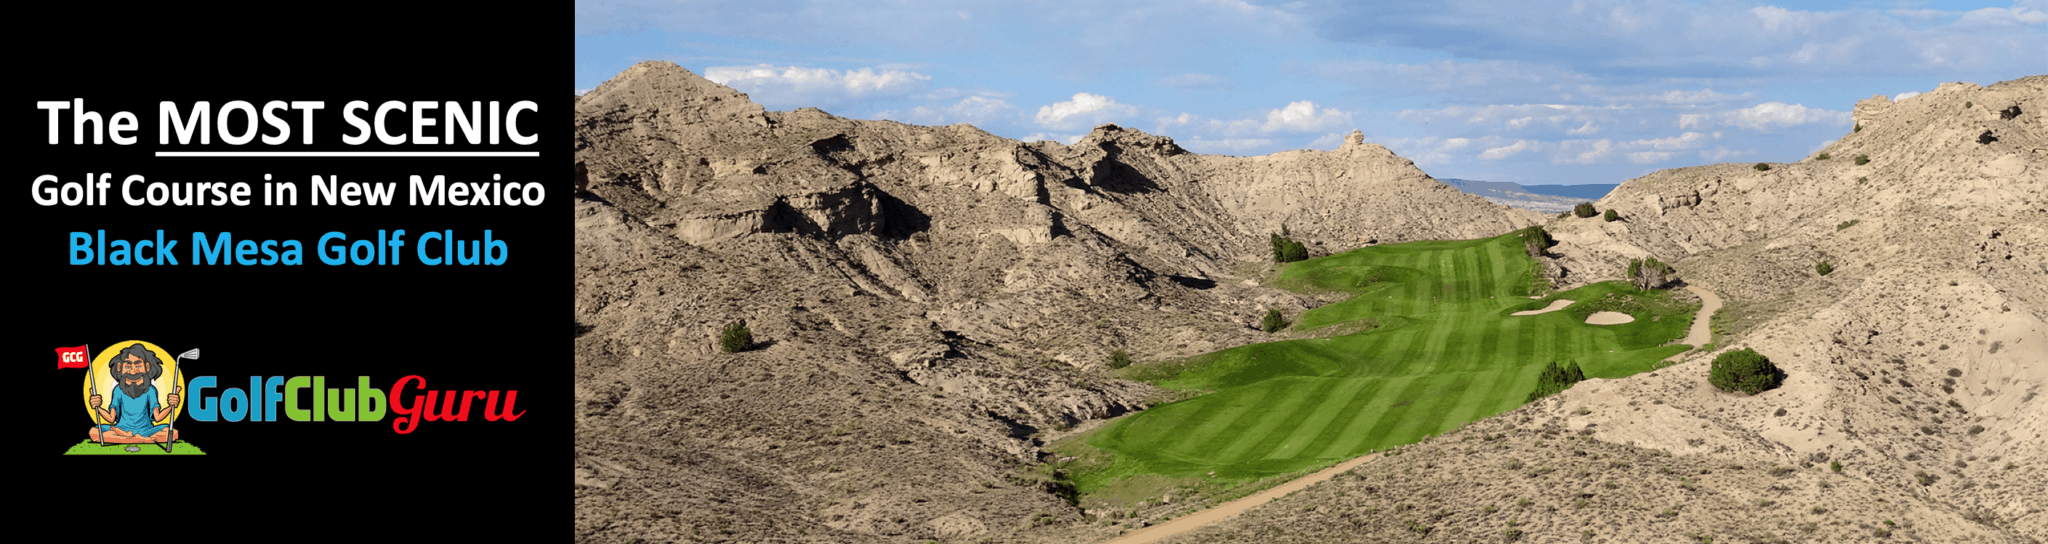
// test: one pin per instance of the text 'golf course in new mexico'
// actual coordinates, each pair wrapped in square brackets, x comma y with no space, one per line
[1445,352]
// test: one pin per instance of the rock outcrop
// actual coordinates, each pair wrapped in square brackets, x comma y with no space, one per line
[925,300]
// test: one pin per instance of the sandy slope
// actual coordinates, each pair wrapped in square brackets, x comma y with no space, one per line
[1702,325]
[1232,508]
[1555,305]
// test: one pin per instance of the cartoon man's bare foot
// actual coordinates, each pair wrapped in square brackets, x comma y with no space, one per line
[118,436]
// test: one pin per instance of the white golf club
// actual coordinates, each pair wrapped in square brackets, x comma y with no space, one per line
[178,389]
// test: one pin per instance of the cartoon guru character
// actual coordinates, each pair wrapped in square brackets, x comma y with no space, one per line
[135,407]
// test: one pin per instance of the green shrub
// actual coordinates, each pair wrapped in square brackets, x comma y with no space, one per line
[1649,273]
[1862,160]
[1743,370]
[1585,209]
[1555,379]
[1273,322]
[1119,359]
[1860,180]
[1859,128]
[1824,268]
[1835,465]
[1286,250]
[1822,157]
[736,338]
[1847,224]
[1534,240]
[1966,105]
[1611,216]
[1760,167]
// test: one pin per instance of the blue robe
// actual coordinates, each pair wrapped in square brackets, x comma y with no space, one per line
[135,415]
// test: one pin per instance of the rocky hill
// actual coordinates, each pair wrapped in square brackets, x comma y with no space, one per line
[1917,361]
[923,301]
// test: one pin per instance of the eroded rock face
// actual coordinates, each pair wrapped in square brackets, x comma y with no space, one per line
[925,300]
[1938,276]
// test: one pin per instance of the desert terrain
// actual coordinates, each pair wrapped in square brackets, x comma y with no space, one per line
[934,310]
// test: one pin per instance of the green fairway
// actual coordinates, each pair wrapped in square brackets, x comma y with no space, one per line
[1445,352]
[89,447]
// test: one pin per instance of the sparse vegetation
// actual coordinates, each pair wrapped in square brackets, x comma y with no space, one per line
[1859,128]
[1584,209]
[1761,167]
[1649,273]
[1822,157]
[1287,250]
[1824,268]
[1610,216]
[1862,160]
[736,338]
[1119,359]
[1743,370]
[1273,322]
[1847,224]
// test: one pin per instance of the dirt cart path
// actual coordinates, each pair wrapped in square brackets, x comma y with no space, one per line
[1222,511]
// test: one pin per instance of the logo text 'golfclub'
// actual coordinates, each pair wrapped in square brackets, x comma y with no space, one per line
[277,396]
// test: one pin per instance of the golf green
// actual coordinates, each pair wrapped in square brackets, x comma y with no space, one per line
[1445,352]
[89,447]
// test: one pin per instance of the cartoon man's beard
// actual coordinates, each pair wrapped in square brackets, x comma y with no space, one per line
[135,390]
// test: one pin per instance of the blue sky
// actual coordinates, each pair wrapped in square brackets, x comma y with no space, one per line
[1531,91]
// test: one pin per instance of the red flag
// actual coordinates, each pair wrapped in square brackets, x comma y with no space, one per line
[72,357]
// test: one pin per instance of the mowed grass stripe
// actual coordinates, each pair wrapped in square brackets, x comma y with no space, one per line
[1428,411]
[1321,447]
[1393,417]
[1357,437]
[1448,354]
[1246,433]
[1320,414]
[1211,418]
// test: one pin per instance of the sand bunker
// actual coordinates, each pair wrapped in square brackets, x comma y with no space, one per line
[1608,318]
[1555,305]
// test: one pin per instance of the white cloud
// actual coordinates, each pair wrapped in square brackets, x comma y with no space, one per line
[1503,152]
[1583,151]
[1223,146]
[1647,157]
[1504,78]
[1068,139]
[1921,14]
[1690,120]
[1304,117]
[1823,145]
[1430,150]
[1519,123]
[580,92]
[1587,130]
[1905,95]
[977,110]
[1769,116]
[1091,108]
[1689,140]
[2003,17]
[1720,153]
[795,86]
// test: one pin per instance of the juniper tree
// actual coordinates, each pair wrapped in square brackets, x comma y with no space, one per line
[1273,322]
[1743,370]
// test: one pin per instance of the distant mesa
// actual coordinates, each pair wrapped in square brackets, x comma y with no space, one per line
[1541,198]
